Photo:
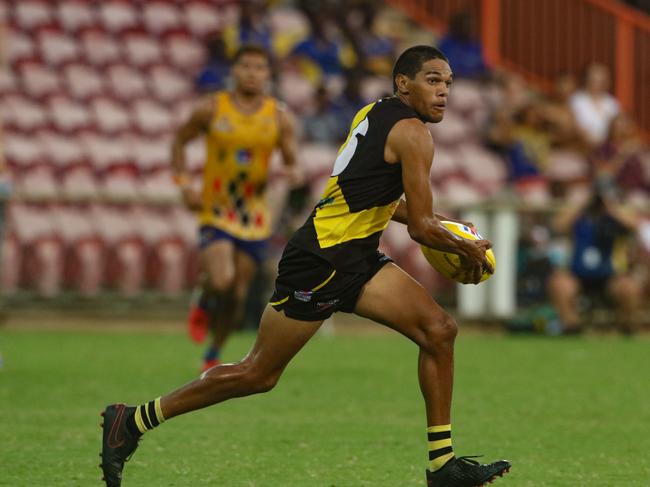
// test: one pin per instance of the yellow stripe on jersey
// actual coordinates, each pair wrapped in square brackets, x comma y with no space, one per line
[335,224]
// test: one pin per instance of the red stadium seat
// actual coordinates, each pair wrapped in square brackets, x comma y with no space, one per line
[316,160]
[42,252]
[99,48]
[84,250]
[459,191]
[203,18]
[125,82]
[168,85]
[20,47]
[566,165]
[150,154]
[290,22]
[118,15]
[68,116]
[10,264]
[141,48]
[106,152]
[121,184]
[466,97]
[297,92]
[82,81]
[151,118]
[55,46]
[183,52]
[161,16]
[8,82]
[38,80]
[38,182]
[62,151]
[79,183]
[74,15]
[484,168]
[110,117]
[158,187]
[30,14]
[445,163]
[376,87]
[22,151]
[125,269]
[23,114]
[455,130]
[166,266]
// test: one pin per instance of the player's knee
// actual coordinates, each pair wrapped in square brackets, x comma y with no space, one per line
[439,329]
[221,282]
[261,381]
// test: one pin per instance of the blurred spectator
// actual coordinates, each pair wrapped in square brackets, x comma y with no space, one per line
[620,158]
[375,53]
[510,97]
[252,28]
[560,119]
[462,48]
[593,106]
[318,54]
[350,101]
[215,72]
[324,125]
[598,267]
[530,146]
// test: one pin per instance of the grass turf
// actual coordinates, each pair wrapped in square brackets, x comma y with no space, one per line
[347,413]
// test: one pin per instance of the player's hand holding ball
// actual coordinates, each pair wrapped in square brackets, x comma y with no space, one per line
[474,262]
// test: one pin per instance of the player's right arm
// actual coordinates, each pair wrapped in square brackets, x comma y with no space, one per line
[410,143]
[196,125]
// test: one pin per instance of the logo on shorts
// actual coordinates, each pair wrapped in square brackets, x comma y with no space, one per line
[304,296]
[321,305]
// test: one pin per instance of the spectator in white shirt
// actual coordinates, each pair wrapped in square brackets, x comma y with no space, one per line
[594,107]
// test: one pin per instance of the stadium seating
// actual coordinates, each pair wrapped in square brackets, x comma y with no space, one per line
[90,100]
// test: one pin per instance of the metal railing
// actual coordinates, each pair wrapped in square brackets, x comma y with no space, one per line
[541,39]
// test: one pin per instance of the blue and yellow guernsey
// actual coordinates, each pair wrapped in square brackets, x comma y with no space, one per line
[362,193]
[238,153]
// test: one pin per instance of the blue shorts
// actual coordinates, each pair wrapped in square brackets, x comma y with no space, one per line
[255,248]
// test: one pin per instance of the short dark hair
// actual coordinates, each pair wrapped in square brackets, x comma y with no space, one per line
[411,61]
[251,49]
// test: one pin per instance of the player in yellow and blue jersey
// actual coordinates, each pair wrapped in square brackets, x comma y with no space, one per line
[241,128]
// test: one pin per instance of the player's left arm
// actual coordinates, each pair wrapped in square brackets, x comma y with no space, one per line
[401,215]
[287,143]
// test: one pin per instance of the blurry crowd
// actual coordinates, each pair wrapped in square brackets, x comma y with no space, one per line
[573,147]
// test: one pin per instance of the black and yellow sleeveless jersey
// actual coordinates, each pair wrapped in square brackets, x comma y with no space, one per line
[362,193]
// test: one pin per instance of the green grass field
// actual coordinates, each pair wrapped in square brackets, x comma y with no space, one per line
[347,413]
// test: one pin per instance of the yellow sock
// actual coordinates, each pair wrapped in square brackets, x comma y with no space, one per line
[440,450]
[148,416]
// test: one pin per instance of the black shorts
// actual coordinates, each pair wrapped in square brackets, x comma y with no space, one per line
[308,288]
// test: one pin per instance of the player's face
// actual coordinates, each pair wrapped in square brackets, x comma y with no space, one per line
[428,91]
[251,73]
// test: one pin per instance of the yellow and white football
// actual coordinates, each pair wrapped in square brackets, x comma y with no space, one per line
[447,263]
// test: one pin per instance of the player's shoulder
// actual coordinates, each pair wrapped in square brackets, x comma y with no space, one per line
[410,136]
[393,106]
[411,129]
